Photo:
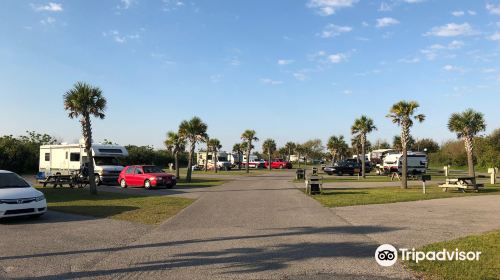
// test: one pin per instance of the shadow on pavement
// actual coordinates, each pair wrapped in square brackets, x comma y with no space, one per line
[238,260]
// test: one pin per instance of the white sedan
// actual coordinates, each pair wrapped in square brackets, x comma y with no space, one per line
[18,198]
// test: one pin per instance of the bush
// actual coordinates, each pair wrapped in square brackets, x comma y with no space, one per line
[148,155]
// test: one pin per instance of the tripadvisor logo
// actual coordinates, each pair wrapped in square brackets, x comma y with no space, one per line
[387,255]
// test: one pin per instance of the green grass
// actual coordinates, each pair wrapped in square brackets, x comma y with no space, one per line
[135,208]
[488,266]
[340,197]
[369,178]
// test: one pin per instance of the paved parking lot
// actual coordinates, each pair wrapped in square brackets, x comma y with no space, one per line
[258,227]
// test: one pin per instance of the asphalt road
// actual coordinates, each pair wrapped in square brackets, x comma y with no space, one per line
[259,227]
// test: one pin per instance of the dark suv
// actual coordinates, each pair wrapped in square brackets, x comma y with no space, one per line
[344,167]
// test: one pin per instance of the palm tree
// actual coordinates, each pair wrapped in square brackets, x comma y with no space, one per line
[84,101]
[361,128]
[269,147]
[299,150]
[467,125]
[206,140]
[238,148]
[215,146]
[290,147]
[249,136]
[175,144]
[194,131]
[336,145]
[403,114]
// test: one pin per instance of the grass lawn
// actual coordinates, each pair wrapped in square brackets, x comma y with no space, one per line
[135,208]
[488,266]
[353,196]
[369,178]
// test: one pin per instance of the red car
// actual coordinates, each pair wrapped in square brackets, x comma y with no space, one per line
[147,176]
[279,164]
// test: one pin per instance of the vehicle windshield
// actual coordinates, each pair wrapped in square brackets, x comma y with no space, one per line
[11,180]
[222,159]
[152,169]
[100,161]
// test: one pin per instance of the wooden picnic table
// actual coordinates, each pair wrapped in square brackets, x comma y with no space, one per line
[58,180]
[461,183]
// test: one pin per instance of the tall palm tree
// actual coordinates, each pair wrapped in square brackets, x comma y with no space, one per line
[336,145]
[194,131]
[290,147]
[175,144]
[238,148]
[249,136]
[215,146]
[84,101]
[361,128]
[206,140]
[467,125]
[403,114]
[269,147]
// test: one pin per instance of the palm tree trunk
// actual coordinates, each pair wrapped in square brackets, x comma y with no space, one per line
[176,159]
[298,159]
[269,159]
[248,161]
[215,160]
[363,174]
[470,155]
[206,158]
[404,171]
[190,163]
[240,155]
[87,136]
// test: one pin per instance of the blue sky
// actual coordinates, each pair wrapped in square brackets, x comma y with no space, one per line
[291,70]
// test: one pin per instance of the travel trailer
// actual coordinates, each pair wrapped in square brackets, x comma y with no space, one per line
[222,160]
[66,159]
[417,163]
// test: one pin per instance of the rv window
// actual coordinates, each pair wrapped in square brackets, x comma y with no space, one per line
[209,157]
[111,151]
[74,157]
[47,157]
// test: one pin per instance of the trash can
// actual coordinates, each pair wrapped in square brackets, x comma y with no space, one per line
[314,184]
[314,170]
[300,174]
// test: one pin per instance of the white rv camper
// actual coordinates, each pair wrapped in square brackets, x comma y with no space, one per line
[68,158]
[222,160]
[417,163]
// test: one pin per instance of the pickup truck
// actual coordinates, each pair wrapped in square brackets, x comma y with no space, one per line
[258,163]
[279,164]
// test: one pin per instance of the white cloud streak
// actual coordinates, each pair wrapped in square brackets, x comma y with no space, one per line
[329,7]
[332,30]
[386,21]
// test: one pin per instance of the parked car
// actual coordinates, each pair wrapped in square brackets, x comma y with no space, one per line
[368,164]
[343,167]
[257,163]
[279,164]
[147,176]
[18,198]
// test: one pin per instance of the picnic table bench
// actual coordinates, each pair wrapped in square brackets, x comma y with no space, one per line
[462,184]
[60,180]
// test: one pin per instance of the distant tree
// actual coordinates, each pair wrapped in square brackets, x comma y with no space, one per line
[381,144]
[336,145]
[356,145]
[361,128]
[403,114]
[194,131]
[238,148]
[248,136]
[396,142]
[312,149]
[175,144]
[215,147]
[282,153]
[300,151]
[425,144]
[84,101]
[290,147]
[467,125]
[269,146]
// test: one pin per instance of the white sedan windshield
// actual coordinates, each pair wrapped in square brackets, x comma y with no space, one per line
[11,180]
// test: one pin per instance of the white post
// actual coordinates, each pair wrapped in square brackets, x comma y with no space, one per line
[423,184]
[446,170]
[493,176]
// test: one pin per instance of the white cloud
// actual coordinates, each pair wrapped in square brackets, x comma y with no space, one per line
[120,38]
[329,7]
[332,30]
[489,70]
[386,21]
[413,1]
[171,5]
[51,7]
[216,78]
[452,30]
[337,58]
[494,37]
[384,7]
[451,68]
[268,81]
[125,4]
[432,51]
[285,61]
[300,76]
[471,12]
[493,9]
[458,13]
[410,60]
[48,21]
